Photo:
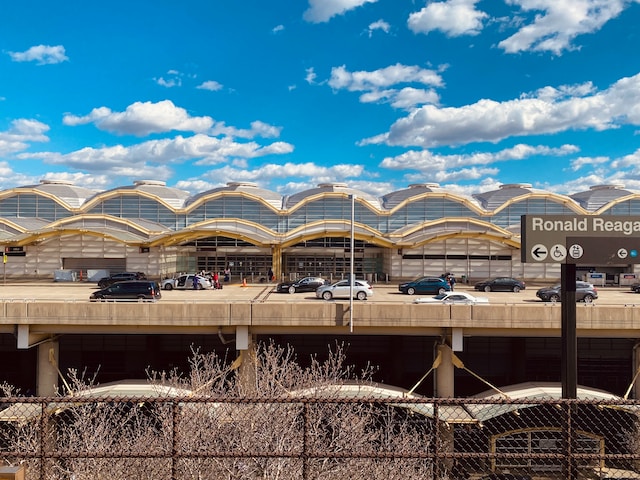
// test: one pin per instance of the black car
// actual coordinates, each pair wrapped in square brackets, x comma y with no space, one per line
[425,286]
[636,287]
[129,290]
[500,284]
[585,292]
[306,284]
[119,277]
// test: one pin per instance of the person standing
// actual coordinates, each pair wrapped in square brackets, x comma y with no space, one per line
[452,281]
[227,274]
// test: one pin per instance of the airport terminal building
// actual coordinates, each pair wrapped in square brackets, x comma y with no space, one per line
[420,230]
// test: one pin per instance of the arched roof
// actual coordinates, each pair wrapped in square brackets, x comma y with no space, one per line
[273,198]
[171,196]
[600,195]
[64,191]
[292,200]
[494,199]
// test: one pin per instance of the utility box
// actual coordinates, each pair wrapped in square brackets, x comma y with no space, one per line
[12,473]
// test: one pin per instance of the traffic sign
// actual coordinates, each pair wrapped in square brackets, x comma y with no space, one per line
[580,239]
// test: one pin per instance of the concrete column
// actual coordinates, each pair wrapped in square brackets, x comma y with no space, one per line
[276,262]
[445,373]
[47,374]
[245,343]
[445,389]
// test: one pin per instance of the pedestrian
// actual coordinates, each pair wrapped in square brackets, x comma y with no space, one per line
[195,282]
[452,281]
[227,274]
[270,275]
[216,280]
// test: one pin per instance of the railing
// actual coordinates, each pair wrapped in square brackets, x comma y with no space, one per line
[316,435]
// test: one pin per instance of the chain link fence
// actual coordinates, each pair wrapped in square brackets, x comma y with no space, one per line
[311,436]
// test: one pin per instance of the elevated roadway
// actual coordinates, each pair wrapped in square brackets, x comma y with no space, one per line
[55,308]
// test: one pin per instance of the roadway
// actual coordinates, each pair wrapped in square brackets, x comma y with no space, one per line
[263,293]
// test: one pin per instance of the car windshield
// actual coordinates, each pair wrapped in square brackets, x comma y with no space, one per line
[441,296]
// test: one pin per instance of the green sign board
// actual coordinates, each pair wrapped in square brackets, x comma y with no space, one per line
[580,239]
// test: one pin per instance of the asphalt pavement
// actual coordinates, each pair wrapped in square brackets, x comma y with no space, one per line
[264,292]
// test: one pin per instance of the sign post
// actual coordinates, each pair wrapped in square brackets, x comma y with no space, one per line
[570,241]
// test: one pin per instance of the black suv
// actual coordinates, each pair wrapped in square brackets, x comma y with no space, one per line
[129,290]
[585,292]
[119,277]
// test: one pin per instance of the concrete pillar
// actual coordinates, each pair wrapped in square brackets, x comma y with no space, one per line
[445,373]
[245,343]
[47,374]
[276,262]
[445,389]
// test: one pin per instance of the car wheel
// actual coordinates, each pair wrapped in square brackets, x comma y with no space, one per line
[168,286]
[411,291]
[441,290]
[292,290]
[554,298]
[588,298]
[361,296]
[327,295]
[487,288]
[516,289]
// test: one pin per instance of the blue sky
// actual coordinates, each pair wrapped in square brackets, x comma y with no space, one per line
[379,94]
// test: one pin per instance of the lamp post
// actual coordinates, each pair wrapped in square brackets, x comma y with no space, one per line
[351,273]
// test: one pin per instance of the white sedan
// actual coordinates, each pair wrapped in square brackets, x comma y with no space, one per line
[185,282]
[453,297]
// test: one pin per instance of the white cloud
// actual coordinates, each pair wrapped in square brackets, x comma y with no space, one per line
[490,121]
[277,29]
[263,175]
[211,85]
[155,155]
[42,54]
[427,162]
[258,129]
[341,78]
[310,76]
[374,84]
[323,10]
[22,132]
[143,118]
[452,17]
[580,162]
[558,22]
[379,25]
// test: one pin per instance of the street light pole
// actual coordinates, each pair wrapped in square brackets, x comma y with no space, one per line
[351,274]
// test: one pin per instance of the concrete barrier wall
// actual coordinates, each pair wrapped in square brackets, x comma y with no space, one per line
[613,321]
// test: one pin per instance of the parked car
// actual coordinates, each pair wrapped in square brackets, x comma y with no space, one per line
[585,292]
[500,284]
[129,290]
[104,282]
[425,285]
[306,284]
[185,282]
[452,297]
[361,290]
[636,287]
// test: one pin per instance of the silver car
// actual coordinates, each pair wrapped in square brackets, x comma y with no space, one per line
[361,290]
